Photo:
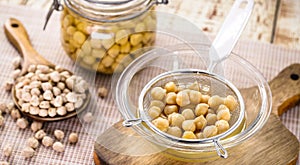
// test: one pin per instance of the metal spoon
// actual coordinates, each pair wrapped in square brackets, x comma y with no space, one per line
[18,37]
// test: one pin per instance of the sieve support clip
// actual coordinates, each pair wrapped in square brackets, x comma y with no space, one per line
[221,151]
[56,5]
[131,122]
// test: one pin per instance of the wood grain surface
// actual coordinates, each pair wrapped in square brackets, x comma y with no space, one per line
[264,24]
[273,144]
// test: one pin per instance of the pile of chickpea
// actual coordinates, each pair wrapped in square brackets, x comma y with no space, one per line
[186,113]
[104,46]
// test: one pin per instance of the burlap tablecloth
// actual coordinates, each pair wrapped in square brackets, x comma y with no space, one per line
[267,58]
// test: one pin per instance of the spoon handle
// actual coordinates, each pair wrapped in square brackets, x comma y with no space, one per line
[18,37]
[231,29]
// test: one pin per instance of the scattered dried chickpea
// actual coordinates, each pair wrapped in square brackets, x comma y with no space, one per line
[36,125]
[88,117]
[59,134]
[22,123]
[73,138]
[58,146]
[189,135]
[28,152]
[15,114]
[2,120]
[188,114]
[210,131]
[47,141]
[175,131]
[201,109]
[160,123]
[4,163]
[32,142]
[222,126]
[39,135]
[7,150]
[102,92]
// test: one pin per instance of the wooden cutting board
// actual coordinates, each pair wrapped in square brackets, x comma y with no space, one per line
[273,144]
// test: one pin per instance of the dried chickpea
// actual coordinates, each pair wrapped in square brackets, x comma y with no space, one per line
[195,96]
[157,103]
[158,93]
[32,142]
[201,109]
[215,101]
[40,134]
[230,102]
[102,92]
[176,119]
[169,109]
[47,141]
[28,152]
[210,131]
[7,150]
[73,138]
[59,134]
[175,131]
[171,87]
[189,135]
[211,119]
[182,98]
[58,146]
[22,123]
[154,112]
[188,125]
[15,114]
[4,163]
[171,98]
[160,123]
[200,122]
[35,126]
[223,114]
[188,114]
[2,120]
[88,117]
[222,126]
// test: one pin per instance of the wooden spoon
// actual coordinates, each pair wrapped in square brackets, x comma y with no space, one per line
[18,37]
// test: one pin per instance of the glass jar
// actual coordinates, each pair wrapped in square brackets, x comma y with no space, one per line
[105,35]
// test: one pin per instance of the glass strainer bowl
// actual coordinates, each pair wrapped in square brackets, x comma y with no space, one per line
[159,65]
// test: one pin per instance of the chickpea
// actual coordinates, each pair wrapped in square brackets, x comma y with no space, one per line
[211,111]
[102,92]
[35,126]
[32,142]
[158,93]
[7,150]
[162,124]
[58,146]
[59,134]
[188,125]
[200,122]
[211,119]
[221,107]
[194,86]
[169,109]
[210,131]
[200,135]
[182,98]
[189,135]
[28,152]
[176,119]
[201,109]
[22,123]
[195,96]
[47,141]
[40,134]
[171,87]
[135,39]
[205,98]
[231,102]
[223,114]
[73,138]
[215,101]
[88,117]
[222,126]
[171,98]
[175,131]
[154,112]
[188,114]
[157,103]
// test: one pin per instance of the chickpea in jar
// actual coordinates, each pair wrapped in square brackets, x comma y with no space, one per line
[106,47]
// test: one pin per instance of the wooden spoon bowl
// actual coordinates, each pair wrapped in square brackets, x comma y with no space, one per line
[18,37]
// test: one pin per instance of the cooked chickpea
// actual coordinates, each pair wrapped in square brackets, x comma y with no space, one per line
[211,119]
[176,119]
[205,98]
[188,125]
[230,102]
[171,98]
[175,131]
[222,126]
[194,86]
[201,109]
[195,96]
[169,109]
[162,124]
[200,122]
[215,101]
[189,135]
[221,107]
[223,114]
[210,131]
[154,112]
[188,114]
[182,98]
[200,135]
[158,93]
[171,87]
